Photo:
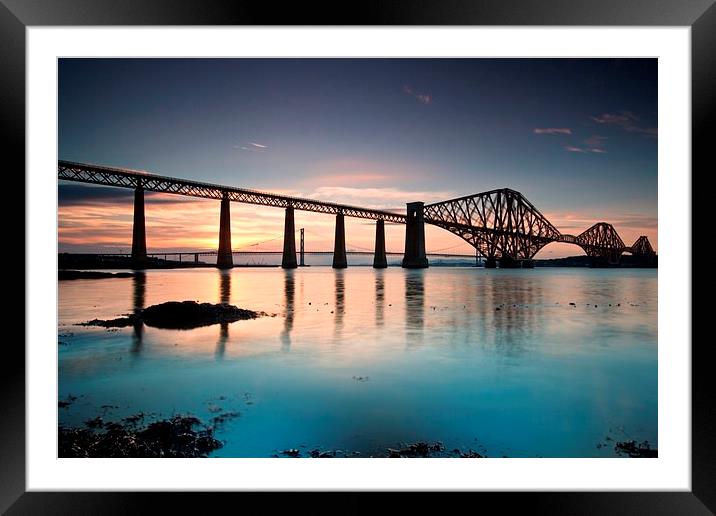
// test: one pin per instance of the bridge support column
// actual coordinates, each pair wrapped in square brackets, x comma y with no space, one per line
[339,244]
[224,259]
[507,262]
[139,235]
[379,259]
[289,241]
[490,262]
[414,257]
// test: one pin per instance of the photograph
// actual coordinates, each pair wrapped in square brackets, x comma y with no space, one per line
[356,258]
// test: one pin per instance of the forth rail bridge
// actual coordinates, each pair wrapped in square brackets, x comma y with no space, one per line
[502,225]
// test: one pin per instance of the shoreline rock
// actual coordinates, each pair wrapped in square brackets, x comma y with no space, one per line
[179,315]
[65,275]
[180,436]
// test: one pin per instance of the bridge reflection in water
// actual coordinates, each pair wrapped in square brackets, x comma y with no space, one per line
[139,292]
[224,298]
[501,225]
[289,293]
[500,310]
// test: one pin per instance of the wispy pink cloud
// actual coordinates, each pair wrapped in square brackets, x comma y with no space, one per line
[423,98]
[593,144]
[595,141]
[585,150]
[627,121]
[361,171]
[353,178]
[552,130]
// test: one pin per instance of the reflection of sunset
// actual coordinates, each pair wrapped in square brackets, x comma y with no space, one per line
[364,310]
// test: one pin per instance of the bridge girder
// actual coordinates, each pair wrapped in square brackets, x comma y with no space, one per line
[124,178]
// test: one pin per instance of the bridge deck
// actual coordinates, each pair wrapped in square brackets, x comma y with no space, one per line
[126,178]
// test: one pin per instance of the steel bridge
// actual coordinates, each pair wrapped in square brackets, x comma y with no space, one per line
[502,225]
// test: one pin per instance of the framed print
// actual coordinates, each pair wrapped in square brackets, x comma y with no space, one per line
[422,242]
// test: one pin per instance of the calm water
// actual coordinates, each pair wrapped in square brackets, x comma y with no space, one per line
[364,360]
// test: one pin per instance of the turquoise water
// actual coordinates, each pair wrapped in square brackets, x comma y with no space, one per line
[362,360]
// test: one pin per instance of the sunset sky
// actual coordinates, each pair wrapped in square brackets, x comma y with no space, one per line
[578,137]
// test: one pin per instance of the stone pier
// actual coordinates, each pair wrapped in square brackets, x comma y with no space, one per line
[339,246]
[139,234]
[224,259]
[379,259]
[414,257]
[289,241]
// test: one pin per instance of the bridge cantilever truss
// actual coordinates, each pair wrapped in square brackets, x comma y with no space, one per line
[503,224]
[499,223]
[125,178]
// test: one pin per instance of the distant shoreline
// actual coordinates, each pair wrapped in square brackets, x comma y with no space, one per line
[69,264]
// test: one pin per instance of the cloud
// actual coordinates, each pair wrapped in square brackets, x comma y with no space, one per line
[352,178]
[594,144]
[627,121]
[361,171]
[595,141]
[552,130]
[624,119]
[85,195]
[391,199]
[423,98]
[251,147]
[585,150]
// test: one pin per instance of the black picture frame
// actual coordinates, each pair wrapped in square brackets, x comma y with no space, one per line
[16,15]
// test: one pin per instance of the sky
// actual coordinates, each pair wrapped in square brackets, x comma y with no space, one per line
[577,137]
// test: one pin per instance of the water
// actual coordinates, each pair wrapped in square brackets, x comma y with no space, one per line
[362,360]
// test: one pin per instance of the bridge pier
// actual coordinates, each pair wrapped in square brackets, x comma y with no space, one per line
[139,234]
[224,259]
[379,259]
[339,245]
[414,257]
[490,262]
[289,241]
[507,262]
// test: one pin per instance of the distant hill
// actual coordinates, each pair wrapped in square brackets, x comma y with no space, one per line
[626,260]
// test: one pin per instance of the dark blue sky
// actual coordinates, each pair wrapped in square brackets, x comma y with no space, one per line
[576,136]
